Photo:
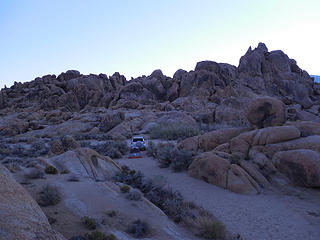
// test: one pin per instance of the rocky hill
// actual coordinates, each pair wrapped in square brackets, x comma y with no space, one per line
[252,129]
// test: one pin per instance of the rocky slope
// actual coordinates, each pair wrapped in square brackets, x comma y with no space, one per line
[259,127]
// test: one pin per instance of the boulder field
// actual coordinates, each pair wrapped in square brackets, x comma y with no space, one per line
[257,128]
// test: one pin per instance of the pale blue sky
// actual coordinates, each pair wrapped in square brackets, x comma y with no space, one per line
[134,37]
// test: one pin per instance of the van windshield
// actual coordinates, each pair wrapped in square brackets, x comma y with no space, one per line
[137,140]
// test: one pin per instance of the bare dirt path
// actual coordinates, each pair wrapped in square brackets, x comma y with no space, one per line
[266,216]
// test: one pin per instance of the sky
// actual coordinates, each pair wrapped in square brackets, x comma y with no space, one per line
[135,37]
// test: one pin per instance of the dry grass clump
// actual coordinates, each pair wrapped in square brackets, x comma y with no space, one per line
[89,223]
[209,228]
[49,196]
[203,224]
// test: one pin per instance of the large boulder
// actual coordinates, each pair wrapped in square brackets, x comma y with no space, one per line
[240,182]
[266,112]
[68,143]
[241,144]
[191,143]
[21,217]
[211,140]
[311,143]
[307,128]
[110,120]
[210,168]
[216,168]
[302,166]
[84,162]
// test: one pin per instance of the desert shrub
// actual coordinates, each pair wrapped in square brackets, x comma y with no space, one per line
[151,149]
[173,131]
[132,178]
[96,235]
[134,195]
[139,229]
[210,228]
[181,160]
[51,170]
[66,171]
[34,174]
[49,196]
[77,238]
[89,223]
[164,155]
[169,201]
[113,149]
[125,188]
[177,159]
[111,213]
[110,237]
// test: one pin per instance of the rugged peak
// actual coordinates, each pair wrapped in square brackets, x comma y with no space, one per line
[210,66]
[157,74]
[263,47]
[68,75]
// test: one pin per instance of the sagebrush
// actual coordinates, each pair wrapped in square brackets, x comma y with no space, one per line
[173,131]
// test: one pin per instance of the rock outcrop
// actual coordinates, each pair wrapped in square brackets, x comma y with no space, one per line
[266,112]
[21,216]
[217,168]
[302,166]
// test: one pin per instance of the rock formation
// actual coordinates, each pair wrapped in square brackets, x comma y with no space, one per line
[21,216]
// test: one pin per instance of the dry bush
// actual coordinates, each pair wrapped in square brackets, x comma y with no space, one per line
[209,228]
[173,131]
[49,196]
[89,223]
[139,229]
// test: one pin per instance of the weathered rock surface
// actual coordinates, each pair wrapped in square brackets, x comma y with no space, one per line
[266,112]
[110,121]
[241,144]
[21,216]
[301,166]
[216,168]
[85,162]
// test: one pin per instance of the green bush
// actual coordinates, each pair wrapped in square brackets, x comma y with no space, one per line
[49,195]
[51,170]
[173,131]
[66,171]
[89,223]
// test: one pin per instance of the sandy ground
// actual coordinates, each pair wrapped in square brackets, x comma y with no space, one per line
[95,199]
[266,216]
